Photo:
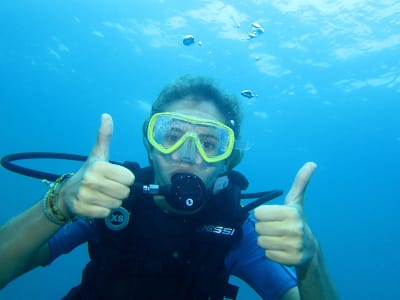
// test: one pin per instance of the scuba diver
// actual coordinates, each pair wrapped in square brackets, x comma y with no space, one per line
[175,229]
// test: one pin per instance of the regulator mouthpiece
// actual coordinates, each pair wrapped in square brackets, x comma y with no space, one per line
[187,193]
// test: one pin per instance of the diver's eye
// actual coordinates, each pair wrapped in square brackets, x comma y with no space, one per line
[209,145]
[172,137]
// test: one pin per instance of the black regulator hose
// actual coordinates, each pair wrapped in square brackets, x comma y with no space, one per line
[8,162]
[265,197]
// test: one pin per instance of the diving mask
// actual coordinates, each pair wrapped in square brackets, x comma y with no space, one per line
[168,131]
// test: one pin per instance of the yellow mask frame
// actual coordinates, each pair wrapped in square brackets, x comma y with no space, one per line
[190,128]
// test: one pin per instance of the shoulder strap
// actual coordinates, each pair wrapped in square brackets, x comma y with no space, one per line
[239,179]
[232,209]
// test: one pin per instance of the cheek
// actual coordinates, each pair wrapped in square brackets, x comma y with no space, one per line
[163,166]
[160,167]
[210,174]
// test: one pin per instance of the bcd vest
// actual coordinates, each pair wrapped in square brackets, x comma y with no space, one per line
[165,256]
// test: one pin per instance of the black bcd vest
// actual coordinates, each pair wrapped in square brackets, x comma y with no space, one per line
[165,256]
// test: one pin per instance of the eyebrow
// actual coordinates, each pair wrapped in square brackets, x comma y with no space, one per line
[207,135]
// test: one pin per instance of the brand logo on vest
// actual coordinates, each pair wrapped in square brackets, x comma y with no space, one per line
[118,219]
[218,229]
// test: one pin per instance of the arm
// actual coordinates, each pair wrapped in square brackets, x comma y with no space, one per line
[287,239]
[93,191]
[21,248]
[314,280]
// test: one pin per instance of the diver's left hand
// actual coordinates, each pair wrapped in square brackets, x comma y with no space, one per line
[282,229]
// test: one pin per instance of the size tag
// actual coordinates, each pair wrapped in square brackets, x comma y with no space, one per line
[118,219]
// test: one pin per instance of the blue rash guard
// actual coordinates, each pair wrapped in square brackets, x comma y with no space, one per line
[246,260]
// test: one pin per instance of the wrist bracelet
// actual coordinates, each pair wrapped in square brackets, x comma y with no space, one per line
[50,201]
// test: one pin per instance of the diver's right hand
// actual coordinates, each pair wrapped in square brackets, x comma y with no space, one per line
[99,185]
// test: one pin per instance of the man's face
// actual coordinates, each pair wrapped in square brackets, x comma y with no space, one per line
[166,165]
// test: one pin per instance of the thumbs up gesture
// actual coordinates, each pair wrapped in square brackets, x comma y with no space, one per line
[99,185]
[282,229]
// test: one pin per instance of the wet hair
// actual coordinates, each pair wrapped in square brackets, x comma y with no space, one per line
[200,88]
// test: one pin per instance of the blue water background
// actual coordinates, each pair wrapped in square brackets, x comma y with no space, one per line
[327,79]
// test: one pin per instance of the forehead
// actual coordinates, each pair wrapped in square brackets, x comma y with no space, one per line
[197,108]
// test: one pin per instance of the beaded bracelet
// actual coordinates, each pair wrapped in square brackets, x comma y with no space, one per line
[49,202]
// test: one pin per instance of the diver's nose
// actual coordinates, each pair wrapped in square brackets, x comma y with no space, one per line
[187,152]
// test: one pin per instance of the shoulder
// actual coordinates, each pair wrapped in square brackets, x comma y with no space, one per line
[248,242]
[249,230]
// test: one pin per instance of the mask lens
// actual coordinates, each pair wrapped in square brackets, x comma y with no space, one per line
[168,131]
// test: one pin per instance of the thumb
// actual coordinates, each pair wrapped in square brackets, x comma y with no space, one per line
[296,192]
[101,148]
